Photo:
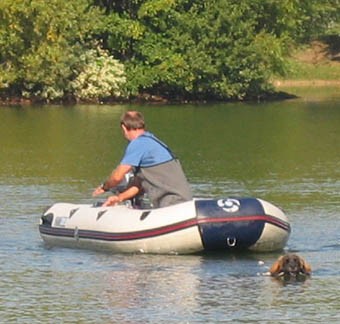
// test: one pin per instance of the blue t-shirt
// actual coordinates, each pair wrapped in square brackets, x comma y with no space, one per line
[146,151]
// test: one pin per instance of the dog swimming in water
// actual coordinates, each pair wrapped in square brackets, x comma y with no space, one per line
[290,267]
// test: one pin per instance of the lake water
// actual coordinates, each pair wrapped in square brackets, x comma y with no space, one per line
[285,152]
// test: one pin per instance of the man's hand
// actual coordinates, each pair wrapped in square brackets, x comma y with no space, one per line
[111,201]
[98,191]
[115,178]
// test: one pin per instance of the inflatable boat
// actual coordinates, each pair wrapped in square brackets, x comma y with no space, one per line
[196,226]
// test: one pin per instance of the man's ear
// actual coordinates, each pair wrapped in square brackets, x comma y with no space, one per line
[124,129]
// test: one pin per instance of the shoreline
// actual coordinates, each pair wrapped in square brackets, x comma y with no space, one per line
[284,89]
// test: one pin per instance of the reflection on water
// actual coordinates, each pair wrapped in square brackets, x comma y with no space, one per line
[287,153]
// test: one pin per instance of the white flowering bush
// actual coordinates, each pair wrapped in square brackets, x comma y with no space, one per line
[101,77]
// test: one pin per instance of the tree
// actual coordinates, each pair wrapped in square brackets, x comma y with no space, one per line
[194,49]
[40,44]
[217,49]
[190,49]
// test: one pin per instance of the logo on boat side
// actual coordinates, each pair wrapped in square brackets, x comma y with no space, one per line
[229,205]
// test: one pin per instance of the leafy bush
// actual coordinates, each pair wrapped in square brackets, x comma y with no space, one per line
[101,77]
[40,44]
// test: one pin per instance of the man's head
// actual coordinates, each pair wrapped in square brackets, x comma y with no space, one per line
[132,120]
[133,125]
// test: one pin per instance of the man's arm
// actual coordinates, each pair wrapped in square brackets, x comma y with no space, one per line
[115,178]
[125,195]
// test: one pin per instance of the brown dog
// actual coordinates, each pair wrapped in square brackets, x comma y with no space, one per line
[290,267]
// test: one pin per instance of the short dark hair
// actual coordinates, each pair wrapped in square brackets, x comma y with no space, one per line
[133,120]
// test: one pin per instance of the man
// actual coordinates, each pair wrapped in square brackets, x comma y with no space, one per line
[157,172]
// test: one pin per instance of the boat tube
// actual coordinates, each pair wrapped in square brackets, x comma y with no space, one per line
[195,226]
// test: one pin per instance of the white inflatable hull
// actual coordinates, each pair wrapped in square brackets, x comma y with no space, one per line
[195,226]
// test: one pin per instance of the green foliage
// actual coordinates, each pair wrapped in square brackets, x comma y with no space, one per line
[217,49]
[301,21]
[41,42]
[195,49]
[199,49]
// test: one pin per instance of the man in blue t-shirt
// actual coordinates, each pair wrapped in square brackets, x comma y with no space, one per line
[157,173]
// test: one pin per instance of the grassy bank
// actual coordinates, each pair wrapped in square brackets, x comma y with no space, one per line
[314,66]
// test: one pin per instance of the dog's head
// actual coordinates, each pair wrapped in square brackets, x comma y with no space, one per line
[290,266]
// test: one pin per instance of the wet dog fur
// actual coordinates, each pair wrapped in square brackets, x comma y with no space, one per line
[290,267]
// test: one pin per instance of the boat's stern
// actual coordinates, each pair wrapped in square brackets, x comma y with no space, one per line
[241,224]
